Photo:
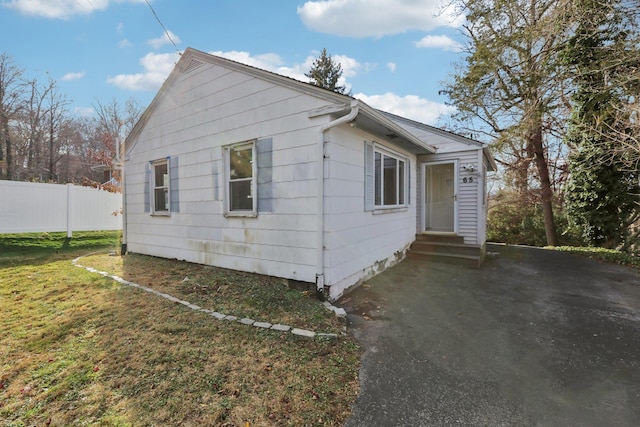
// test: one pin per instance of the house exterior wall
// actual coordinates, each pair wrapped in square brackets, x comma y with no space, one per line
[203,110]
[359,243]
[471,224]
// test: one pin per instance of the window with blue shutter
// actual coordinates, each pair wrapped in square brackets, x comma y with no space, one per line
[240,179]
[147,191]
[174,187]
[161,186]
[369,177]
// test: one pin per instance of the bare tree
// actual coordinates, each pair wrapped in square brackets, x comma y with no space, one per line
[32,123]
[11,95]
[38,137]
[114,123]
[57,104]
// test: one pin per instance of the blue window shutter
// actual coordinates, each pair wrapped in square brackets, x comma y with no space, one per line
[408,182]
[369,177]
[174,193]
[147,190]
[264,150]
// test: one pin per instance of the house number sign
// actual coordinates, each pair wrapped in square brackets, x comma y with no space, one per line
[467,180]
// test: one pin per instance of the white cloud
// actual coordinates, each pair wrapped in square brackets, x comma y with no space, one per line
[439,42]
[410,106]
[164,39]
[350,66]
[72,76]
[59,9]
[376,18]
[120,28]
[157,67]
[391,66]
[124,43]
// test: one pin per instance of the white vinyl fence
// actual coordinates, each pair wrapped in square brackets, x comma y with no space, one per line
[27,207]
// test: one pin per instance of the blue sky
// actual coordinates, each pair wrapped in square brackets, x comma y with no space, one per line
[394,53]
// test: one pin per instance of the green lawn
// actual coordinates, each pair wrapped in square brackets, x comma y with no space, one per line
[80,349]
[33,247]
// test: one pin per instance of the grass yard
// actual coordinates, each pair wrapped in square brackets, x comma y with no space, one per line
[80,349]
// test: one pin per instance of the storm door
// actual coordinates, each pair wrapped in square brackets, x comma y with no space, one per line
[440,197]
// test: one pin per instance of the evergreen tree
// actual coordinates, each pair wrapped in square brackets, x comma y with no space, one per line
[326,73]
[602,198]
[602,194]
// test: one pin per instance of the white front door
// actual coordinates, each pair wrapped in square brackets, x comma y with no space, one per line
[440,197]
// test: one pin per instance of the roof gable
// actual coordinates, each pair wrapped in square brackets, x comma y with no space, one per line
[369,118]
[192,59]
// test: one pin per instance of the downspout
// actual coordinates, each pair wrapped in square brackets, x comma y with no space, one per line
[123,187]
[320,233]
[118,165]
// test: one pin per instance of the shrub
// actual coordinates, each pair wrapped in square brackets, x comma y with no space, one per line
[518,220]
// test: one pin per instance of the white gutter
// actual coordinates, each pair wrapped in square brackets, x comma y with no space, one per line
[320,237]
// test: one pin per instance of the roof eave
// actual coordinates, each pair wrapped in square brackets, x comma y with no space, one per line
[492,162]
[376,115]
[446,133]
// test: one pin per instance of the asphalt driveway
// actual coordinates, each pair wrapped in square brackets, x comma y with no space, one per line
[533,338]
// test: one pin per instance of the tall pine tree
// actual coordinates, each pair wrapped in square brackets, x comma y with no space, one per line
[326,73]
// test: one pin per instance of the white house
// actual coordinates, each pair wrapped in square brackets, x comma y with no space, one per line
[241,168]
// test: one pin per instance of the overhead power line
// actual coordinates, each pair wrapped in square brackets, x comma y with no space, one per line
[168,34]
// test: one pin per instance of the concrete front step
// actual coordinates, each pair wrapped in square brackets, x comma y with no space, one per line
[439,238]
[446,248]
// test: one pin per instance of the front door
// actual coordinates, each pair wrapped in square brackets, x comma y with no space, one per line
[440,197]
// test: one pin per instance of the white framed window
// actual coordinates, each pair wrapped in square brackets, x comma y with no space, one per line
[240,179]
[160,184]
[390,179]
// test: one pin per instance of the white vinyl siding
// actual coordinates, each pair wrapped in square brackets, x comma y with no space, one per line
[205,110]
[359,244]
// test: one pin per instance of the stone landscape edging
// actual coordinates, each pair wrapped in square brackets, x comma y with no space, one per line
[339,312]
